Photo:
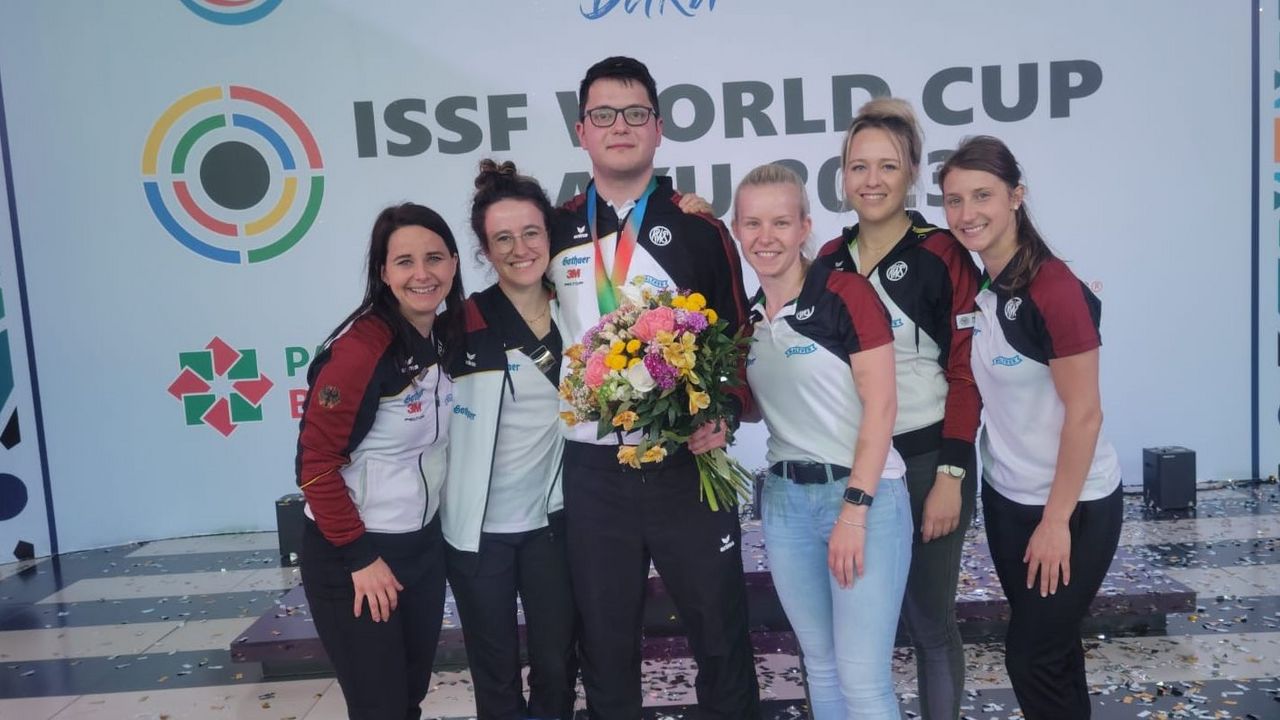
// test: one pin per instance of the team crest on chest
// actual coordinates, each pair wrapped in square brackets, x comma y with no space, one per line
[660,235]
[896,271]
[805,314]
[1011,308]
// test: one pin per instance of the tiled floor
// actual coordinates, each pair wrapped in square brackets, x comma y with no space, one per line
[143,631]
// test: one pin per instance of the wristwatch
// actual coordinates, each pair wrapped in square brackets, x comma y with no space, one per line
[954,471]
[857,496]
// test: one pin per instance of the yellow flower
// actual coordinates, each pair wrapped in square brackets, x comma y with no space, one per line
[712,317]
[616,347]
[633,362]
[569,418]
[655,453]
[633,346]
[574,352]
[625,419]
[680,352]
[615,362]
[627,456]
[679,302]
[696,301]
[698,400]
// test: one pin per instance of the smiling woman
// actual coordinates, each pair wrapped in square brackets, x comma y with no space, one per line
[503,520]
[1051,494]
[371,463]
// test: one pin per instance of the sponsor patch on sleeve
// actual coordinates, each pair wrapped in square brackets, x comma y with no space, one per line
[966,320]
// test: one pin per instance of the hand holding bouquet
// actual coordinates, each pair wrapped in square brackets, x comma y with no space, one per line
[659,364]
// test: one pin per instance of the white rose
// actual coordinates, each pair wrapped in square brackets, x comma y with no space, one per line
[639,378]
[631,293]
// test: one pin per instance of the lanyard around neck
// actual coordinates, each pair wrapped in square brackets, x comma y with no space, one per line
[607,296]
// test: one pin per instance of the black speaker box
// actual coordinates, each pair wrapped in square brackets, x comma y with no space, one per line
[1169,478]
[289,520]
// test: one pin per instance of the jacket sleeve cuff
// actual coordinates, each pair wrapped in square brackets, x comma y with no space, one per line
[960,453]
[358,554]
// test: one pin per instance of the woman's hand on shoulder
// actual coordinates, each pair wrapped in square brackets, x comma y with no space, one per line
[692,204]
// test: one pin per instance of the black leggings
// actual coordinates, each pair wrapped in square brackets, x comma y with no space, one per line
[929,605]
[1043,652]
[384,668]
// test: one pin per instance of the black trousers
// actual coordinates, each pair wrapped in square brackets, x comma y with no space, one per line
[618,519]
[1043,652]
[384,668]
[533,565]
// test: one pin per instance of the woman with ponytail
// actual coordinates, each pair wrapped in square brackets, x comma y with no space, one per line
[504,507]
[371,462]
[927,281]
[1051,496]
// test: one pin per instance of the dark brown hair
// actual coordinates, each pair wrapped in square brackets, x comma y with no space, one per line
[378,298]
[989,154]
[503,182]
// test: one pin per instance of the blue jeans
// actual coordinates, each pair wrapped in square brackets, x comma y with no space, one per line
[846,634]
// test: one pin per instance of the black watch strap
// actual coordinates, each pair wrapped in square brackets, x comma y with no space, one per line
[857,496]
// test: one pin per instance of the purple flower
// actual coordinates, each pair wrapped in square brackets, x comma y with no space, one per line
[662,373]
[589,337]
[694,322]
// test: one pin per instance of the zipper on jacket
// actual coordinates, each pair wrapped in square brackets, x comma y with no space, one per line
[426,489]
[507,382]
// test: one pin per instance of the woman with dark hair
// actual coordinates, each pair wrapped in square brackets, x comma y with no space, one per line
[1051,496]
[927,281]
[371,462]
[504,507]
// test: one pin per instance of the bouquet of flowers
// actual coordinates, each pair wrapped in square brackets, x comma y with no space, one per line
[660,364]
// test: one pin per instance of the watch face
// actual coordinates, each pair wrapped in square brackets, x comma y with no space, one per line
[856,496]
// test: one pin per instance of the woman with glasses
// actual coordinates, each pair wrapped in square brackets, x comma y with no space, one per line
[503,509]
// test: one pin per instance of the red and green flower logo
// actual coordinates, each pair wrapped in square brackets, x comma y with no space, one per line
[220,386]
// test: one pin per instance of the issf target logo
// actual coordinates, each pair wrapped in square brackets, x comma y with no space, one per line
[233,174]
[231,12]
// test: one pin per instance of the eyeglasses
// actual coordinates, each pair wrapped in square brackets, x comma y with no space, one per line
[634,115]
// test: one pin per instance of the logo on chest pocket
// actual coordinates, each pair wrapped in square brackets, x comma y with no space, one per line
[660,236]
[896,271]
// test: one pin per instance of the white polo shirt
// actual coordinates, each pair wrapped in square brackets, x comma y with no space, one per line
[798,368]
[1015,335]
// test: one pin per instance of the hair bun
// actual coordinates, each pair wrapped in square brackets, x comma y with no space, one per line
[491,172]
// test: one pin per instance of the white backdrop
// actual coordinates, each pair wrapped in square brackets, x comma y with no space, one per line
[1131,180]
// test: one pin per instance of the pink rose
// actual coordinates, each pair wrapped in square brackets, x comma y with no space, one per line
[596,370]
[648,325]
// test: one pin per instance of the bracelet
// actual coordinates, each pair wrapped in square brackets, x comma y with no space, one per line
[850,523]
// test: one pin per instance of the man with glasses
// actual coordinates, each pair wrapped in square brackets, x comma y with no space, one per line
[626,225]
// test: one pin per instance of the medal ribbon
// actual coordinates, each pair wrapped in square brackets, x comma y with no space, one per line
[607,296]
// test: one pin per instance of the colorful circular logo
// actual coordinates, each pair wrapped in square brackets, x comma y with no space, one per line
[233,174]
[231,12]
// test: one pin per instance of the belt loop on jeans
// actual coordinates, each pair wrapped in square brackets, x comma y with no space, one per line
[809,473]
